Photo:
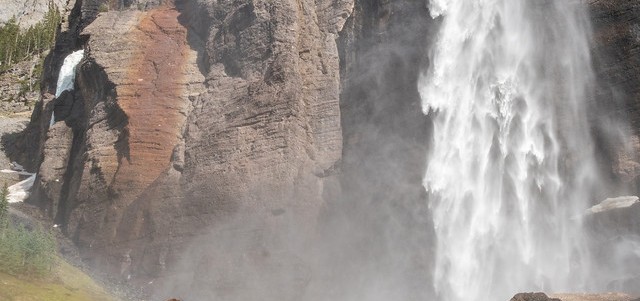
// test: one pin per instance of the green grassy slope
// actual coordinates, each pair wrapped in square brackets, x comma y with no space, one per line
[67,284]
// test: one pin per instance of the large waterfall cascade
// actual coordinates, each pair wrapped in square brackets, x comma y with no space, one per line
[511,167]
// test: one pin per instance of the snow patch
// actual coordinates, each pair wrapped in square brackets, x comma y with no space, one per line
[19,191]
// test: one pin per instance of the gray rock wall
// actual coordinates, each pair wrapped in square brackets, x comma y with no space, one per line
[283,136]
[185,117]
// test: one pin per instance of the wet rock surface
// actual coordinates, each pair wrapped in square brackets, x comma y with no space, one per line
[616,59]
[382,201]
[615,231]
[533,297]
[266,115]
[572,297]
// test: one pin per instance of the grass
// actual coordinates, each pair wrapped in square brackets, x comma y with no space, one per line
[67,284]
[30,270]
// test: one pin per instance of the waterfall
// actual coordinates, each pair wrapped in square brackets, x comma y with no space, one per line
[66,79]
[511,165]
[67,75]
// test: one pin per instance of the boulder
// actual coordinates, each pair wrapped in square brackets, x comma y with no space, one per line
[532,297]
[614,203]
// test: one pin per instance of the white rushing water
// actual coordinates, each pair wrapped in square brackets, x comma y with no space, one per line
[511,165]
[66,79]
[67,75]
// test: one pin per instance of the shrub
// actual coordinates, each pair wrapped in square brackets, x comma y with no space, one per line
[103,8]
[24,252]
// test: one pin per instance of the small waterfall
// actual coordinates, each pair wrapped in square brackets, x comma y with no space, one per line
[511,166]
[67,75]
[66,79]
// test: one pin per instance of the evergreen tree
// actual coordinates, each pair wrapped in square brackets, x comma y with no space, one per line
[17,45]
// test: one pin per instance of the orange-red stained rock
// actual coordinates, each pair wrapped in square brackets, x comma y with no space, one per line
[152,99]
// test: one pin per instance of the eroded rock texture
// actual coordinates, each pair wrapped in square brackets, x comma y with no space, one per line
[268,126]
[616,53]
[186,117]
[217,127]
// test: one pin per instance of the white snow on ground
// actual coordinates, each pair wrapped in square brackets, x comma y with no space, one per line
[19,191]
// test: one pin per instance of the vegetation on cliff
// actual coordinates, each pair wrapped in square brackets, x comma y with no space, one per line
[22,53]
[17,45]
[24,252]
[31,270]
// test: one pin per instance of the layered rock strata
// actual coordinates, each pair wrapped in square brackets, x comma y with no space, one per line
[185,116]
[120,128]
[200,123]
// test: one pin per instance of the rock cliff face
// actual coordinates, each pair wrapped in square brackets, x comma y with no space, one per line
[15,96]
[386,136]
[187,114]
[617,66]
[251,132]
[616,45]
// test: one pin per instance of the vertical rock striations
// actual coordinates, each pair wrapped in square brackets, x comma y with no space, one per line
[616,50]
[135,85]
[261,143]
[185,116]
[615,47]
[386,250]
[200,122]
